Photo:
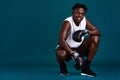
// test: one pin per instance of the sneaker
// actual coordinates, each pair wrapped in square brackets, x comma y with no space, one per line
[88,72]
[63,70]
[64,73]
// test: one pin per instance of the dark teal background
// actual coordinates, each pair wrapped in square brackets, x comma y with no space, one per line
[29,30]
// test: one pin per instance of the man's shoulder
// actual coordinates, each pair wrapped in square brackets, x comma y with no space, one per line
[70,17]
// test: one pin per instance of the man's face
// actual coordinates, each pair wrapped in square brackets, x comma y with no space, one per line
[78,14]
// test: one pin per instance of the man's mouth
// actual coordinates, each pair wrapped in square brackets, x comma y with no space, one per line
[79,18]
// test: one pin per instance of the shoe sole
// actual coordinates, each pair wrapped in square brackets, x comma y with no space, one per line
[84,74]
[64,74]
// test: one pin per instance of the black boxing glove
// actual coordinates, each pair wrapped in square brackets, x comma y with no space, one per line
[76,57]
[77,35]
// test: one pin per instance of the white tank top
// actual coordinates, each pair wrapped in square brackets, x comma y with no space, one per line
[82,26]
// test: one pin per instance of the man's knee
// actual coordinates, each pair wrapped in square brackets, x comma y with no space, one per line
[61,53]
[95,39]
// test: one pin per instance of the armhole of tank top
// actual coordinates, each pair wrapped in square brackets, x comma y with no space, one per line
[69,23]
[70,27]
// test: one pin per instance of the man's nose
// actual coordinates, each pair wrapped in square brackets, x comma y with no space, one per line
[80,15]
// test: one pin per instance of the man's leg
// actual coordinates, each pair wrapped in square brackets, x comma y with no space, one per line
[89,48]
[61,56]
[93,47]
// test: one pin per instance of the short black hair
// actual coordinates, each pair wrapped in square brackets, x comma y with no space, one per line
[78,5]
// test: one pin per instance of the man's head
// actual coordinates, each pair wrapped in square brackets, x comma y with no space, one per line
[78,5]
[78,12]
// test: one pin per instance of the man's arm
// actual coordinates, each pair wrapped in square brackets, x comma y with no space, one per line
[93,31]
[63,35]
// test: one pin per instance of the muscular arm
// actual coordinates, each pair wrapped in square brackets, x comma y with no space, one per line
[92,29]
[63,35]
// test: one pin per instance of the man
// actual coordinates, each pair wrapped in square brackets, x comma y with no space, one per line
[68,48]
